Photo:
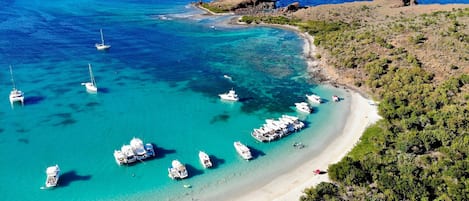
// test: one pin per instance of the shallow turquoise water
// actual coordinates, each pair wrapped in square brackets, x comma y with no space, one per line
[159,82]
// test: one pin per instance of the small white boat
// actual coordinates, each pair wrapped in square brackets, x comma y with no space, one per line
[53,174]
[230,96]
[335,98]
[91,86]
[102,46]
[314,98]
[177,171]
[303,107]
[205,159]
[120,157]
[243,150]
[15,94]
[228,77]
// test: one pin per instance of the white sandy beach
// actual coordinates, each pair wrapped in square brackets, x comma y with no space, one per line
[290,186]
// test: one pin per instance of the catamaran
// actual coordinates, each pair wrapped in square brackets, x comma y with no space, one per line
[102,46]
[53,173]
[91,86]
[15,94]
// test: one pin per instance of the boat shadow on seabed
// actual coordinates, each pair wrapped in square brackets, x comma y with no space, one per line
[256,153]
[71,176]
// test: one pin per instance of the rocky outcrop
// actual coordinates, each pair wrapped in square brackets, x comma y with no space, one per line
[291,7]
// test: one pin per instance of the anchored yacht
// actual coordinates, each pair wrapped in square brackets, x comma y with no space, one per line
[314,98]
[53,174]
[205,159]
[102,46]
[243,150]
[303,107]
[230,96]
[15,94]
[177,171]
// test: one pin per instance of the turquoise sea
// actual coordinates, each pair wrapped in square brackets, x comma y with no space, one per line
[160,82]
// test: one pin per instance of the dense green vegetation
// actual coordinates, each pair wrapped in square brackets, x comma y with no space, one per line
[419,151]
[214,9]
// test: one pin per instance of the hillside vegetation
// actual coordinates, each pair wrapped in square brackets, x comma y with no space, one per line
[417,66]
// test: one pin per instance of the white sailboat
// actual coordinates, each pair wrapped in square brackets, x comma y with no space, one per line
[91,86]
[15,94]
[102,46]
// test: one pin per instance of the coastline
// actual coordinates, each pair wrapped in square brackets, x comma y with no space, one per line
[290,185]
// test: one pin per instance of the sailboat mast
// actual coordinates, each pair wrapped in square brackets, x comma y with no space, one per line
[102,38]
[91,75]
[12,80]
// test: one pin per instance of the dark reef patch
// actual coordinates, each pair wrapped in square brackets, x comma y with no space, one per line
[220,117]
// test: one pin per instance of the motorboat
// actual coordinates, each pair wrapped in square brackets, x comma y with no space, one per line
[91,85]
[53,174]
[230,96]
[303,107]
[177,170]
[205,159]
[102,46]
[128,154]
[15,94]
[314,98]
[120,157]
[243,150]
[150,150]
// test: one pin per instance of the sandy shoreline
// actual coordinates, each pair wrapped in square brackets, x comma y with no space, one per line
[290,186]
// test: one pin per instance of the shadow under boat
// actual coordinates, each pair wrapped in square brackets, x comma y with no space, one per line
[192,171]
[71,176]
[161,152]
[256,153]
[216,162]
